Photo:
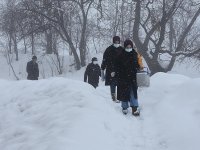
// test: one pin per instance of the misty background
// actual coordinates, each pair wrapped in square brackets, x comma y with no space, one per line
[66,34]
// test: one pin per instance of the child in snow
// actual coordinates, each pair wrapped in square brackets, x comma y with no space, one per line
[92,73]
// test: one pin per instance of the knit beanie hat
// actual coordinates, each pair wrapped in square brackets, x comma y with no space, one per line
[116,38]
[34,57]
[94,59]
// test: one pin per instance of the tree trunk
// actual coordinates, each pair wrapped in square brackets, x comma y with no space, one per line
[32,44]
[155,67]
[122,21]
[49,40]
[82,46]
[15,46]
[25,46]
[10,44]
[73,49]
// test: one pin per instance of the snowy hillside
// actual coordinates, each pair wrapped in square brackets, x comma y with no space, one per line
[48,66]
[63,114]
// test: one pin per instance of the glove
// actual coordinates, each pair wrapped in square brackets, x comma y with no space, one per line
[102,76]
[112,74]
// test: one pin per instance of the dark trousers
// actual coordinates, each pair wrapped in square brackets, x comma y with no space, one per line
[113,86]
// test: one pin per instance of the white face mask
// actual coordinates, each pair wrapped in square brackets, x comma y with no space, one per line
[95,62]
[128,49]
[116,45]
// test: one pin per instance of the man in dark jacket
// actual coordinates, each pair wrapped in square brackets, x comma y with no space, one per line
[109,60]
[92,73]
[126,68]
[32,69]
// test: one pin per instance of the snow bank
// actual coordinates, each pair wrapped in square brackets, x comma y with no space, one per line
[60,114]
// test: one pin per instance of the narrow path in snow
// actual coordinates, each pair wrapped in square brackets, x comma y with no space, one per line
[137,134]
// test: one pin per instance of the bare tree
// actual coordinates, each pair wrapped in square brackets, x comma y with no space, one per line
[153,43]
[55,13]
[10,27]
[162,30]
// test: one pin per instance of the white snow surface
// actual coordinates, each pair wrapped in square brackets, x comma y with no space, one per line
[65,114]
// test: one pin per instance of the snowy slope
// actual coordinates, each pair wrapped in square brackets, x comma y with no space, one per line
[64,114]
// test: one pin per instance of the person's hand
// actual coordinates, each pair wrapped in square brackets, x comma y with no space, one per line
[112,74]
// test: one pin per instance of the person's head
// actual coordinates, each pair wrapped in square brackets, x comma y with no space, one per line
[34,58]
[94,60]
[116,41]
[128,45]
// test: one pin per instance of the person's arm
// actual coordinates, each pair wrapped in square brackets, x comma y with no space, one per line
[105,59]
[28,68]
[86,74]
[37,71]
[117,67]
[104,64]
[99,71]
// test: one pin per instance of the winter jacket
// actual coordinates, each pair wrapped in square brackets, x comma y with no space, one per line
[32,70]
[92,73]
[126,68]
[109,60]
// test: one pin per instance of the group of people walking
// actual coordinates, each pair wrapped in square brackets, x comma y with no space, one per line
[118,69]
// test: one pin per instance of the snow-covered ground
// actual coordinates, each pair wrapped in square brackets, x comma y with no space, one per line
[65,114]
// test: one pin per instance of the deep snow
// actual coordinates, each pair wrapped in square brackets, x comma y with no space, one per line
[60,113]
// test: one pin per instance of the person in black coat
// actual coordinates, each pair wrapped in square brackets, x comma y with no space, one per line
[32,69]
[109,60]
[92,73]
[126,68]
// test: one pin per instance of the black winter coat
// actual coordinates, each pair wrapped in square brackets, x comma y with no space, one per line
[109,60]
[92,73]
[127,66]
[32,70]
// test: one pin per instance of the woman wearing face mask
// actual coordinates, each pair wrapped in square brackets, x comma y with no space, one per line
[92,73]
[127,66]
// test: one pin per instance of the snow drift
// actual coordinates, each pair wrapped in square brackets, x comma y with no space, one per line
[60,114]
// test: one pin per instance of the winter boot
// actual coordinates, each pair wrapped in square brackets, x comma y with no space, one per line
[114,98]
[124,111]
[135,111]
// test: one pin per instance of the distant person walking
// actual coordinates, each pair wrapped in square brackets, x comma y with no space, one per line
[32,69]
[109,60]
[127,66]
[92,73]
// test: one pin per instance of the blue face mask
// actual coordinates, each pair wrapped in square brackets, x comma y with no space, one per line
[128,49]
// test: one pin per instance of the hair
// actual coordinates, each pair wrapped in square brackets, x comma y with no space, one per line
[128,42]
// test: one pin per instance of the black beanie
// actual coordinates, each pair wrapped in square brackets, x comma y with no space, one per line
[34,57]
[128,42]
[116,38]
[94,59]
